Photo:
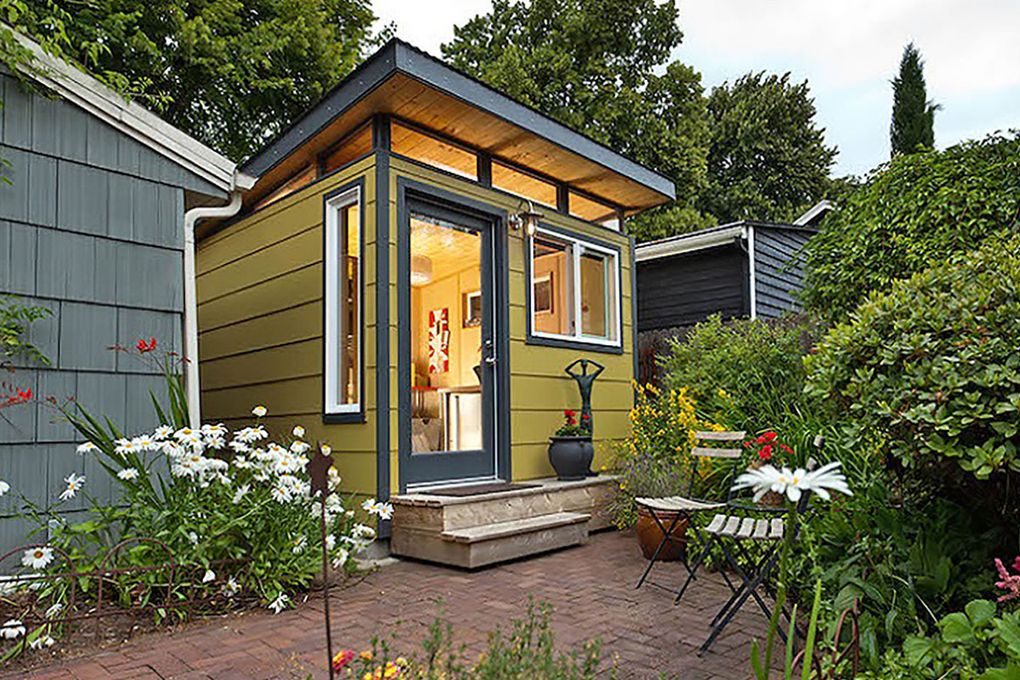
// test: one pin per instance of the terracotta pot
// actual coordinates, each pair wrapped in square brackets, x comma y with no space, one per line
[650,535]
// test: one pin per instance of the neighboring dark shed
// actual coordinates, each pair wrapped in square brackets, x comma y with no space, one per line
[91,228]
[743,269]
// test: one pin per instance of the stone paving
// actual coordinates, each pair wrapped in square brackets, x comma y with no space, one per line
[591,589]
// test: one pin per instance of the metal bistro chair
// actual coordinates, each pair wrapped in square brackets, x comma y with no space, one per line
[734,532]
[686,507]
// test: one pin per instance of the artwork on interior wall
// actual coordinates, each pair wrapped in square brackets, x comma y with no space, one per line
[544,294]
[439,340]
[472,309]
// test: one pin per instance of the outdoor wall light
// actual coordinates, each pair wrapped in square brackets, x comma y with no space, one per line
[526,217]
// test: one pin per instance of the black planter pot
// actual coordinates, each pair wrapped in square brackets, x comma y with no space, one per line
[571,457]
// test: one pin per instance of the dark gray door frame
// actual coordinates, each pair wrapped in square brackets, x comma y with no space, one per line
[408,192]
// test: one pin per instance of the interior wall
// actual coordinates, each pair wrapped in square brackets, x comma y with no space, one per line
[464,352]
[558,320]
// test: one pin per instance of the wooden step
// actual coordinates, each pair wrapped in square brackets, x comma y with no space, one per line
[475,547]
[439,514]
[491,532]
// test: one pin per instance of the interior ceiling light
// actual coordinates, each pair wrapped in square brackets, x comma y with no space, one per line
[421,270]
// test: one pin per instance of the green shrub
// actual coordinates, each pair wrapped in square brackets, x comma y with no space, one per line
[912,213]
[975,643]
[931,369]
[744,374]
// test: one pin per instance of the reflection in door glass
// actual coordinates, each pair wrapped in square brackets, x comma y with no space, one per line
[446,337]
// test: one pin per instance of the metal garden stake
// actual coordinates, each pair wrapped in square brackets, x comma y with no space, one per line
[318,472]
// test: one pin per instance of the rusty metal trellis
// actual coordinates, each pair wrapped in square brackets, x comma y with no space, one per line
[105,575]
[840,653]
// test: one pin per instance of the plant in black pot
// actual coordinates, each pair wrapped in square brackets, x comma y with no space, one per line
[570,447]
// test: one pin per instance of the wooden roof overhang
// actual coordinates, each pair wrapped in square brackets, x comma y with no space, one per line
[409,84]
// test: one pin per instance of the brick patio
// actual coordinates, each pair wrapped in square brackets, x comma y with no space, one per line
[590,588]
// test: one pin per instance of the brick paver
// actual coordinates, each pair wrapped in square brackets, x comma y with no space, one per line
[591,589]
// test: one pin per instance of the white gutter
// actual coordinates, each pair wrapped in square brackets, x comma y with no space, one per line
[191,373]
[753,278]
[687,243]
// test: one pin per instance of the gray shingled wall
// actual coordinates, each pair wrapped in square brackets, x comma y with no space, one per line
[779,269]
[91,229]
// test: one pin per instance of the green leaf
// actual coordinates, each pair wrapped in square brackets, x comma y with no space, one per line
[956,628]
[980,612]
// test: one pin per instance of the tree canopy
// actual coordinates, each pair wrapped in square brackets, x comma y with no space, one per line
[910,214]
[230,73]
[603,67]
[768,159]
[913,115]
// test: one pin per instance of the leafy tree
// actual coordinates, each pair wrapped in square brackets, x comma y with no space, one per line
[768,158]
[913,212]
[591,64]
[913,115]
[230,73]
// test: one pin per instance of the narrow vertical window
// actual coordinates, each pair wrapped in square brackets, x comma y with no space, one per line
[343,303]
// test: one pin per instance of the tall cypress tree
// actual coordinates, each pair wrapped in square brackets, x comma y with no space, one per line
[913,115]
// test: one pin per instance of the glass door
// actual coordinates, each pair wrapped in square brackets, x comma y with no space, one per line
[450,354]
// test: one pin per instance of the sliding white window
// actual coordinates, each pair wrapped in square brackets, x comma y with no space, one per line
[574,289]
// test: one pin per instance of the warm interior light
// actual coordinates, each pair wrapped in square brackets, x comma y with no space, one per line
[421,270]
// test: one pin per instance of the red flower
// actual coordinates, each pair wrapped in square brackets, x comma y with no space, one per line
[766,452]
[786,449]
[142,346]
[25,395]
[585,416]
[769,436]
[569,413]
[341,659]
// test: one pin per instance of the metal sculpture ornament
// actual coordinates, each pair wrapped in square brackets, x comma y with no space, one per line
[439,340]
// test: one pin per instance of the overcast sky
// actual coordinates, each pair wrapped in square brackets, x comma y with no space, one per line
[848,50]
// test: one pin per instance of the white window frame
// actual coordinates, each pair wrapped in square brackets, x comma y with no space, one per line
[578,246]
[334,333]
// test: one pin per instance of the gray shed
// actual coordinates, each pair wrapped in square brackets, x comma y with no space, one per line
[94,226]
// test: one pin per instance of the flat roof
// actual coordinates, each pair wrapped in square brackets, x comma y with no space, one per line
[410,84]
[712,237]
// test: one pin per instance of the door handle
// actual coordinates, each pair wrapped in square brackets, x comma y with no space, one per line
[490,360]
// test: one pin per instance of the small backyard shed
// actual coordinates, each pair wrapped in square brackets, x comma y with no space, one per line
[419,261]
[92,228]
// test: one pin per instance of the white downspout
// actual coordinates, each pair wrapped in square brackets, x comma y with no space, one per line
[191,381]
[753,276]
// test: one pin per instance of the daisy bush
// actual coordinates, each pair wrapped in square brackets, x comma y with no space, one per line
[233,509]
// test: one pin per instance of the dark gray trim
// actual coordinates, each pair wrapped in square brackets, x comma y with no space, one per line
[563,199]
[636,360]
[359,416]
[412,190]
[566,343]
[398,56]
[382,330]
[484,171]
[381,131]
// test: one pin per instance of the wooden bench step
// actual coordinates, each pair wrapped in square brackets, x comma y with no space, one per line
[498,530]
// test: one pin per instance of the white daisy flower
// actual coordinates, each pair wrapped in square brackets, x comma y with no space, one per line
[43,641]
[239,446]
[124,447]
[281,493]
[326,449]
[127,474]
[4,487]
[163,432]
[145,443]
[259,411]
[37,558]
[330,542]
[209,575]
[240,493]
[383,510]
[341,558]
[183,433]
[298,431]
[193,538]
[216,443]
[86,447]
[299,447]
[363,531]
[793,483]
[299,544]
[280,603]
[12,629]
[54,611]
[231,587]
[217,430]
[74,484]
